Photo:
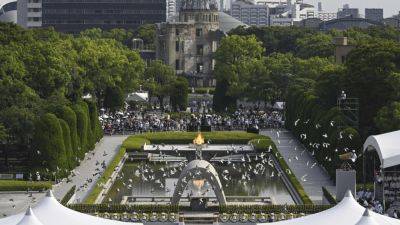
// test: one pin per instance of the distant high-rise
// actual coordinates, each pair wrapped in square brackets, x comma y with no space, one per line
[72,16]
[250,14]
[319,6]
[374,14]
[348,12]
[171,9]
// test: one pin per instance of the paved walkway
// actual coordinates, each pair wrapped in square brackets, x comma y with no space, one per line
[109,145]
[305,167]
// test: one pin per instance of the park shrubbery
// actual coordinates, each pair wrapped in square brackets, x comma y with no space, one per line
[118,208]
[94,193]
[17,185]
[68,196]
[295,209]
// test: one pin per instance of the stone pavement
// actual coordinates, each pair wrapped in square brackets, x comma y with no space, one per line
[109,145]
[302,164]
[15,202]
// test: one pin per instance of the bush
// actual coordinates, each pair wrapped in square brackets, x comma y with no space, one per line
[69,153]
[17,185]
[90,136]
[118,208]
[91,198]
[68,115]
[82,127]
[68,196]
[329,196]
[94,121]
[134,143]
[277,209]
[48,140]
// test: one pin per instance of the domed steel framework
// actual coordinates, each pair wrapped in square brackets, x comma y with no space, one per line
[199,5]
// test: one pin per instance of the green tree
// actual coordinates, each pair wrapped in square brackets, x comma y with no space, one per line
[158,79]
[147,33]
[179,94]
[372,70]
[312,45]
[235,59]
[388,118]
[114,98]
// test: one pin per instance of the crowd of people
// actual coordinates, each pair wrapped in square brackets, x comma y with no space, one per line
[366,199]
[129,121]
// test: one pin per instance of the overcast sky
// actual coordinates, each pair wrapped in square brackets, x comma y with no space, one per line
[390,7]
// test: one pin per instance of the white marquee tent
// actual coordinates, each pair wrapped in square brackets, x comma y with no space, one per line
[50,212]
[367,219]
[387,146]
[347,212]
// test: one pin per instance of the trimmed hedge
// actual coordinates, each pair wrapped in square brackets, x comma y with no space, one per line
[91,198]
[118,208]
[296,209]
[329,196]
[18,185]
[264,144]
[68,196]
[133,143]
[48,139]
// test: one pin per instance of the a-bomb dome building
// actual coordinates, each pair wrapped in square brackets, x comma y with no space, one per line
[188,41]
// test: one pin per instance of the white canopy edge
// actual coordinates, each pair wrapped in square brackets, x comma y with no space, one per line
[387,146]
[50,212]
[346,212]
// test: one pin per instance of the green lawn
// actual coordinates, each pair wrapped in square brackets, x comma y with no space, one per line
[19,185]
[91,198]
[135,143]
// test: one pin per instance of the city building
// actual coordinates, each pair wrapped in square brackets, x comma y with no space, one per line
[374,14]
[250,13]
[29,13]
[392,22]
[325,16]
[342,49]
[8,11]
[189,42]
[347,23]
[294,11]
[71,16]
[171,9]
[346,11]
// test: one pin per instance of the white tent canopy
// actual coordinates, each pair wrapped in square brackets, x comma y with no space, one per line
[29,218]
[50,212]
[138,97]
[347,212]
[367,219]
[387,146]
